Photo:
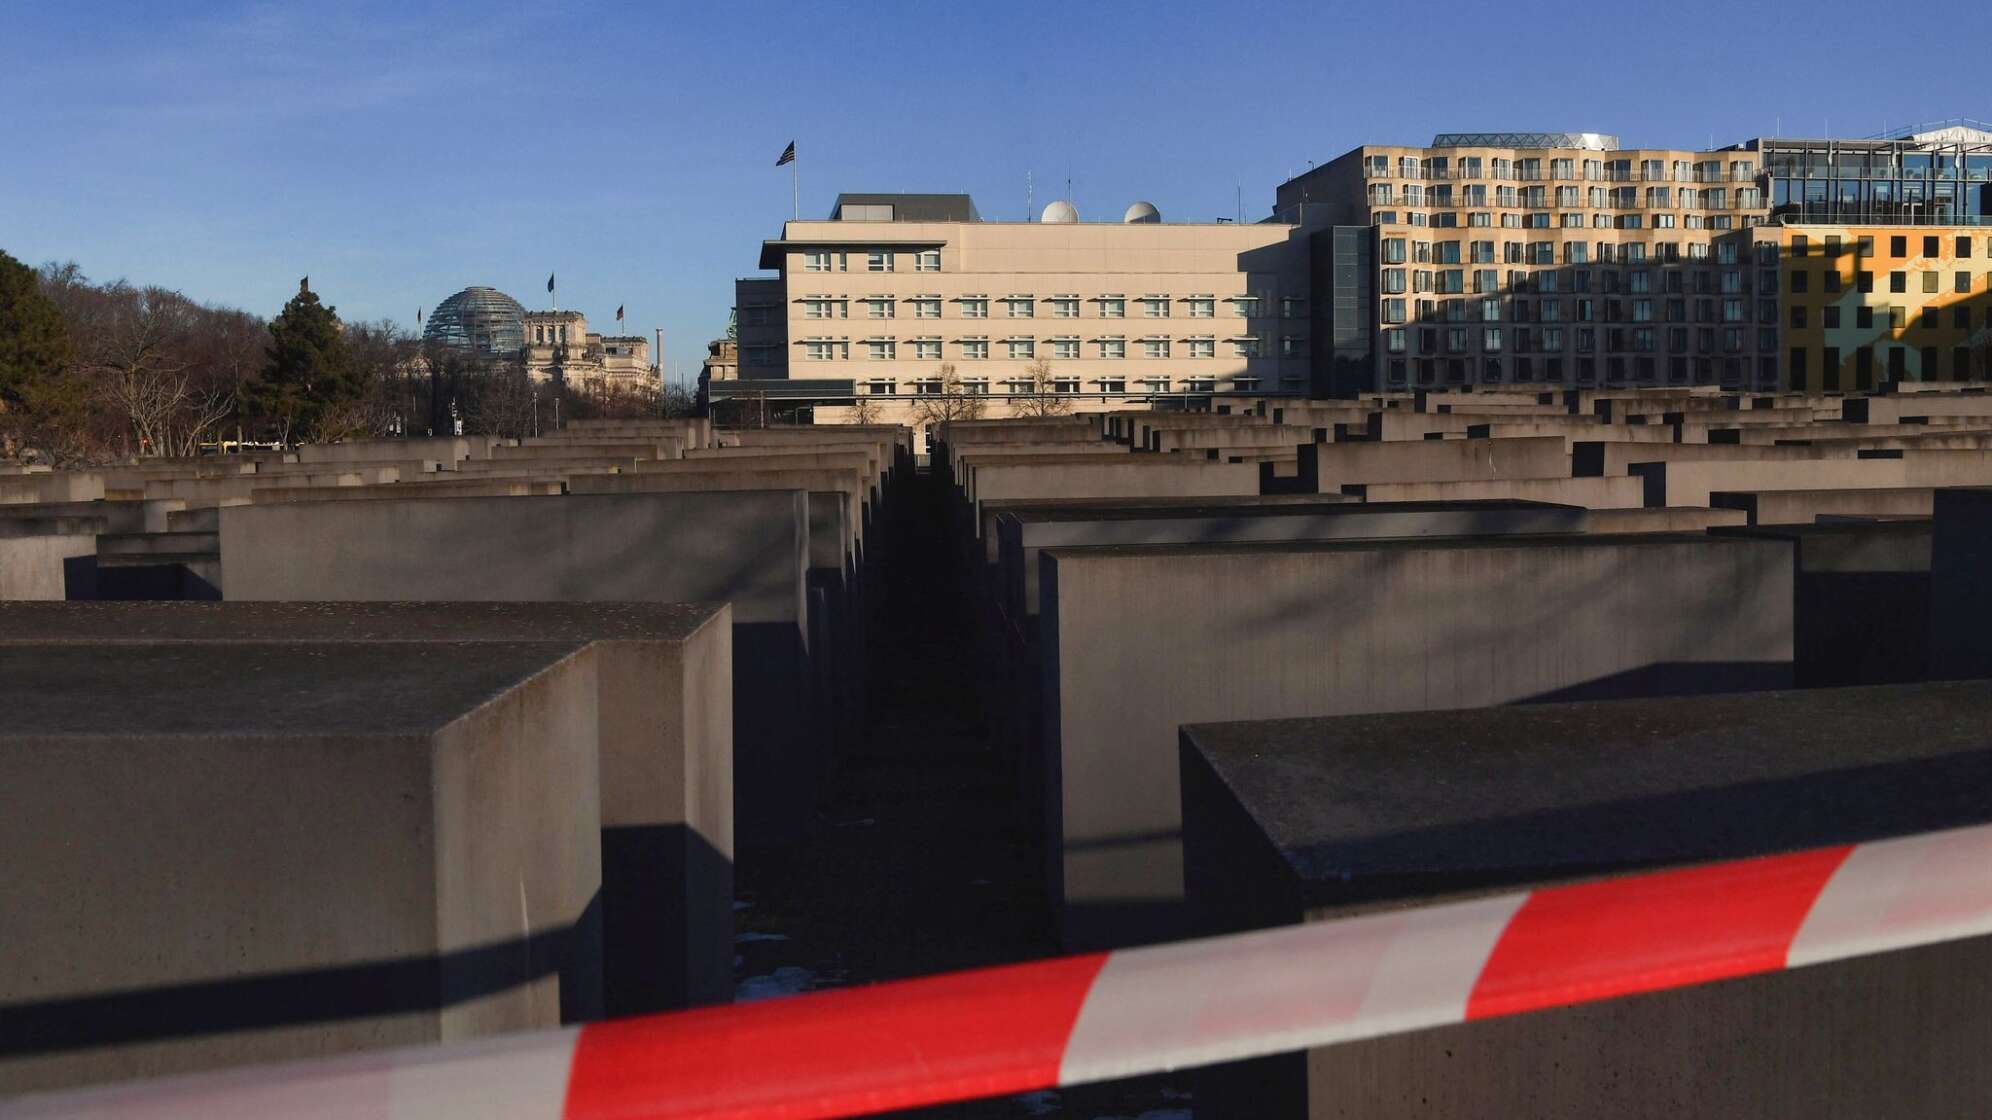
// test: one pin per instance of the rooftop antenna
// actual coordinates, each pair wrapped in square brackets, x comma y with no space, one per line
[1241,204]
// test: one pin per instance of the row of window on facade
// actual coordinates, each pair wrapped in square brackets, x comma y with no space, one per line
[1858,163]
[876,260]
[1569,198]
[1904,363]
[1066,349]
[1930,281]
[1582,340]
[1399,250]
[1067,384]
[1614,370]
[1059,307]
[1931,246]
[545,334]
[1609,170]
[1488,281]
[1890,316]
[1509,219]
[1490,309]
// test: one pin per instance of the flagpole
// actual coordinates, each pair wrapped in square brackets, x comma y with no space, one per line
[795,186]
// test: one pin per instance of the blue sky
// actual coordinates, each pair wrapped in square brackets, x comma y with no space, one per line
[398,152]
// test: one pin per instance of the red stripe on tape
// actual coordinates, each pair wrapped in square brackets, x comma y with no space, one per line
[1620,937]
[897,1045]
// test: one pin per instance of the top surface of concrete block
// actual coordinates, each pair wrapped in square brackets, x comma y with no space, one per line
[256,689]
[1850,546]
[1382,544]
[1365,808]
[748,548]
[139,622]
[1111,510]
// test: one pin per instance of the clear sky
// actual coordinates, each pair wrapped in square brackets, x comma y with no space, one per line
[398,152]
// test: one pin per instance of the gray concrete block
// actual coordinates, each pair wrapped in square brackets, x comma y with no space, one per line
[1591,493]
[1682,519]
[1336,465]
[48,558]
[1860,600]
[1303,820]
[118,516]
[1960,598]
[221,854]
[1022,536]
[747,548]
[1137,641]
[1800,507]
[666,747]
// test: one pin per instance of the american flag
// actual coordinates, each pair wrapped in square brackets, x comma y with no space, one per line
[788,155]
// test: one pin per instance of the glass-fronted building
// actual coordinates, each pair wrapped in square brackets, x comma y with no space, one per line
[1937,176]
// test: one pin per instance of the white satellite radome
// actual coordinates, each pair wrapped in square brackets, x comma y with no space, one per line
[1060,211]
[1142,212]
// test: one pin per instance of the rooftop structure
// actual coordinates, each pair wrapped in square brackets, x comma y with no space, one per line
[478,320]
[1586,141]
[904,208]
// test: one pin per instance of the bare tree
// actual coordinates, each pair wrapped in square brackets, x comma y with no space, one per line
[144,370]
[1038,396]
[955,401]
[387,363]
[153,372]
[614,400]
[677,402]
[864,410]
[502,400]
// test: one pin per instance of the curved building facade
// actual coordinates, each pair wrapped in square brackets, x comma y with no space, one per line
[483,321]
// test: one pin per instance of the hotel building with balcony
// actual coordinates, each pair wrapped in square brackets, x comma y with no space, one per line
[1563,259]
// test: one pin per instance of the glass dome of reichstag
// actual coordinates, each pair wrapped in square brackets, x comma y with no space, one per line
[482,321]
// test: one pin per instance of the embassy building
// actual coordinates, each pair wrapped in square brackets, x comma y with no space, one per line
[897,300]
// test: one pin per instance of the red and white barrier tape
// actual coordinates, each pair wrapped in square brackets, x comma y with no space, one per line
[1090,1018]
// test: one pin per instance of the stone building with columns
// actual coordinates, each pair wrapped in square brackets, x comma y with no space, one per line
[559,347]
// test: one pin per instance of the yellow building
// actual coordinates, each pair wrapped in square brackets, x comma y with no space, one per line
[1866,304]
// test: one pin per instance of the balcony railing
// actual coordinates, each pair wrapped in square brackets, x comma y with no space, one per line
[1608,175]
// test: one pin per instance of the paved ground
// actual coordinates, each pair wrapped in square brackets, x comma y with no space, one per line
[920,863]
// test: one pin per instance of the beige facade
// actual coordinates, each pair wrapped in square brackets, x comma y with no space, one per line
[559,346]
[1558,259]
[1120,312]
[722,361]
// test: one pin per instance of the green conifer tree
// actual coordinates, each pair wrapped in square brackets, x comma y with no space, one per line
[34,342]
[309,369]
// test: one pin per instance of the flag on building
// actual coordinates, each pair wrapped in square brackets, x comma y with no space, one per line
[549,281]
[788,155]
[619,313]
[418,316]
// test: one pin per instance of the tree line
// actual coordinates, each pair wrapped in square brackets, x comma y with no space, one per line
[103,372]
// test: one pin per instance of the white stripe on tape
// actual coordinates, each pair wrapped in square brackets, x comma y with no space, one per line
[1891,894]
[511,1077]
[1199,1002]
